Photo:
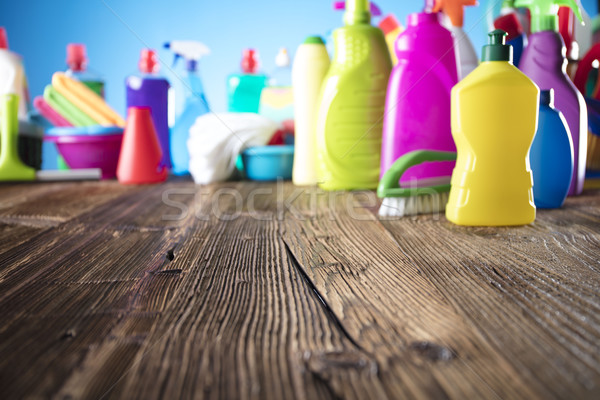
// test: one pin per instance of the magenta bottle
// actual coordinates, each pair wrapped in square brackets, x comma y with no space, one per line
[417,109]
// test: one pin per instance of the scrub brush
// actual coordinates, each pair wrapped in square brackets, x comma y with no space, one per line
[426,197]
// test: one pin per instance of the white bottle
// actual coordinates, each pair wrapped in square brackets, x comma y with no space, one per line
[12,76]
[308,71]
[466,57]
[453,19]
[584,32]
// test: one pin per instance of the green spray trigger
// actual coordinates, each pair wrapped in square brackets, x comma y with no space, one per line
[544,13]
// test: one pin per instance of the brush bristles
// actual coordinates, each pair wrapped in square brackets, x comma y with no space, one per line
[407,206]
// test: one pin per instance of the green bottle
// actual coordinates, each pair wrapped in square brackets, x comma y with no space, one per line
[351,104]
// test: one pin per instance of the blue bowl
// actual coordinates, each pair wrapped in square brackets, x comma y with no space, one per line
[268,163]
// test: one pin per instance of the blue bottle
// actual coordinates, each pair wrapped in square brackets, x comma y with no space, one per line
[551,155]
[151,90]
[195,102]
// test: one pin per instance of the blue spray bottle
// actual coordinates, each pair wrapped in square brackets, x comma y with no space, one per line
[195,101]
[551,155]
[151,90]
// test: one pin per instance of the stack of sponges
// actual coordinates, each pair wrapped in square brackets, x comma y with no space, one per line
[68,102]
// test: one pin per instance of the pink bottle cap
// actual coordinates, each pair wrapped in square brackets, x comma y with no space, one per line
[3,39]
[250,62]
[148,62]
[76,57]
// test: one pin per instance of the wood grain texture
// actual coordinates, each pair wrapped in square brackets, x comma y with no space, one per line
[268,291]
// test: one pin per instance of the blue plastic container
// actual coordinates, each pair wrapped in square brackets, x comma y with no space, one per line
[551,155]
[94,130]
[268,163]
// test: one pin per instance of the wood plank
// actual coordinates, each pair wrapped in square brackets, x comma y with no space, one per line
[531,292]
[243,290]
[243,324]
[55,203]
[381,295]
[64,290]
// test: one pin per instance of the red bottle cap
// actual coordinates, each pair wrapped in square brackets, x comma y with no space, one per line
[76,57]
[566,27]
[510,24]
[388,24]
[250,62]
[3,39]
[148,62]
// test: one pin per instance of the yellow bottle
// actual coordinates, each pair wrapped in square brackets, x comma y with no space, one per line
[494,120]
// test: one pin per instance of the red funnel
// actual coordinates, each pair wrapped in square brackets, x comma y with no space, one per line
[140,157]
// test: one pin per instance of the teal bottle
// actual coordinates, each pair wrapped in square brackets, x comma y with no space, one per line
[244,90]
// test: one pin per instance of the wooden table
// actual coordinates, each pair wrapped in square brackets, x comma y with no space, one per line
[269,291]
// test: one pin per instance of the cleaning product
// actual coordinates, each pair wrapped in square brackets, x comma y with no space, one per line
[352,102]
[217,140]
[77,68]
[585,69]
[544,62]
[244,89]
[391,29]
[494,119]
[149,89]
[524,17]
[49,113]
[465,52]
[430,197]
[417,115]
[141,154]
[86,100]
[12,168]
[309,69]
[566,28]
[276,99]
[577,37]
[593,156]
[584,32]
[66,109]
[551,155]
[12,75]
[195,102]
[516,35]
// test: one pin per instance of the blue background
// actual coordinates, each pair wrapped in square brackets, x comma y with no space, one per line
[116,30]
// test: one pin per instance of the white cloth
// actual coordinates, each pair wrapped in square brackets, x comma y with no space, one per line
[216,140]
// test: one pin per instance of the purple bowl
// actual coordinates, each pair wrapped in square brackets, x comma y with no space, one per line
[90,151]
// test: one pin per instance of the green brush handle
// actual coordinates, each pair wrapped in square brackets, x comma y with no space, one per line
[11,166]
[389,185]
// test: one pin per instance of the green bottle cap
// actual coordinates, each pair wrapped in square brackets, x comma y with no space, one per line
[497,49]
[314,40]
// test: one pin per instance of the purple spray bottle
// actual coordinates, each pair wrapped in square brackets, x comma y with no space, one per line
[152,90]
[417,109]
[545,63]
